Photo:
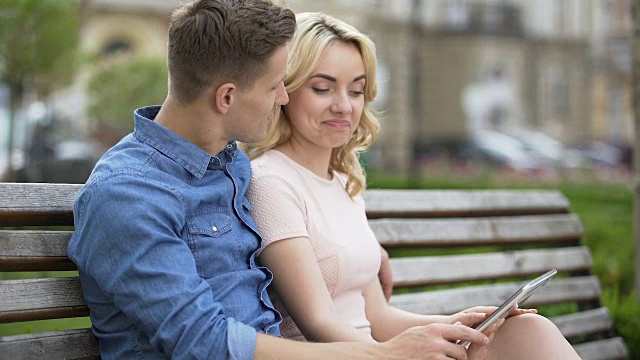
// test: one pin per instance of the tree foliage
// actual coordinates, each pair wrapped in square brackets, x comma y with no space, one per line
[116,90]
[38,51]
[38,44]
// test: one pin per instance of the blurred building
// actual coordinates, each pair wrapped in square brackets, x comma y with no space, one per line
[111,28]
[561,67]
[612,71]
[126,26]
[558,66]
[490,65]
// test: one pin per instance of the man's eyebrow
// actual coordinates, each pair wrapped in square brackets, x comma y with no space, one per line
[333,79]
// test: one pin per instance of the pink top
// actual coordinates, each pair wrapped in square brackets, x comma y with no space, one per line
[290,201]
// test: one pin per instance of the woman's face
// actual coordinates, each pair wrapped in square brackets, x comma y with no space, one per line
[326,109]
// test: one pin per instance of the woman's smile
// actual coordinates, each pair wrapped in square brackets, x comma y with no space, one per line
[337,123]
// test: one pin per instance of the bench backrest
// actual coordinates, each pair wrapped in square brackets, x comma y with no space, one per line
[480,244]
[458,249]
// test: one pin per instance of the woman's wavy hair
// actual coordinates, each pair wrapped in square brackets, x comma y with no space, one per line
[314,33]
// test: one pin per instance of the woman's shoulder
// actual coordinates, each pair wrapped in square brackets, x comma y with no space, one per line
[272,167]
[270,162]
[271,175]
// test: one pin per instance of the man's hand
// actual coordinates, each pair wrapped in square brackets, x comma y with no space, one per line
[385,275]
[433,341]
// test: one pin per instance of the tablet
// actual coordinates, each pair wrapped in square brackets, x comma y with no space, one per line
[514,301]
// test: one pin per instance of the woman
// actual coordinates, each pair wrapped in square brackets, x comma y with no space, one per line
[305,191]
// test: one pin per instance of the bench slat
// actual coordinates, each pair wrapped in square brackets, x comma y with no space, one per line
[456,203]
[449,301]
[609,349]
[56,198]
[29,250]
[37,204]
[446,269]
[39,299]
[477,231]
[480,217]
[584,322]
[68,344]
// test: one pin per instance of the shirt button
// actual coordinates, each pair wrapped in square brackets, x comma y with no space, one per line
[214,228]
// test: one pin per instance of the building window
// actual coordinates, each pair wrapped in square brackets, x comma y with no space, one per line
[117,47]
[561,15]
[456,14]
[559,91]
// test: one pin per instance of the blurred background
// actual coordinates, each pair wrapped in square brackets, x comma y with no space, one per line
[540,88]
[474,94]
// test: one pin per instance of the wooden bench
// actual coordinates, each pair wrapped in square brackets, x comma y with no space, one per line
[512,236]
[478,247]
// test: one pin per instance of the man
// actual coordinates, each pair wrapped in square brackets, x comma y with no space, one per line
[164,241]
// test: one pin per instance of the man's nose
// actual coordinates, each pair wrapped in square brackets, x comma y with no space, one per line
[282,98]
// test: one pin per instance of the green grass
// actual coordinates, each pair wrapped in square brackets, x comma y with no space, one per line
[29,327]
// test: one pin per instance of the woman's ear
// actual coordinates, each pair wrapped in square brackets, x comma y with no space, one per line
[224,97]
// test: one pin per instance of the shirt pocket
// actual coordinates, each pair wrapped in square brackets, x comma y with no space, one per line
[213,243]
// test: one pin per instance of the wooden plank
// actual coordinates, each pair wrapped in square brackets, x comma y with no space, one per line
[450,301]
[457,203]
[68,344]
[446,269]
[477,231]
[29,250]
[607,349]
[38,299]
[584,322]
[37,204]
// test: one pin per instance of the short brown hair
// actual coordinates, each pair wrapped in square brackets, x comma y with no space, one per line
[216,41]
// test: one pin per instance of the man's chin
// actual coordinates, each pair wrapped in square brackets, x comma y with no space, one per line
[255,138]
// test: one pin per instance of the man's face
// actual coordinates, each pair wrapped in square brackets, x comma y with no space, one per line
[253,107]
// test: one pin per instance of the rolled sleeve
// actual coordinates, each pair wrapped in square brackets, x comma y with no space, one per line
[241,340]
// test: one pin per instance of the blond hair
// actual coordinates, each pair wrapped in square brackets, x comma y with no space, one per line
[314,33]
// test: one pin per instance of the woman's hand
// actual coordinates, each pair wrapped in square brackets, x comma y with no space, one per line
[479,351]
[470,317]
[433,341]
[518,311]
[477,314]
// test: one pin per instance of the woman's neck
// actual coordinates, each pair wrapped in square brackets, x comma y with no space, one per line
[315,160]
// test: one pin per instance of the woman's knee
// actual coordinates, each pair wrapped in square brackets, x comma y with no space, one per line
[531,323]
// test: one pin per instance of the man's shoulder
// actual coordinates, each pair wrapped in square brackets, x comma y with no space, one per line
[129,163]
[125,158]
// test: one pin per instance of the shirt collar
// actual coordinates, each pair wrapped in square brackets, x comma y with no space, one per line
[188,155]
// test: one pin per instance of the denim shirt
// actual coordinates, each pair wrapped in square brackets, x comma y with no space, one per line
[166,250]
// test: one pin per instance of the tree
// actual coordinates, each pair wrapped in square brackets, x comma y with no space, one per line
[635,6]
[38,48]
[116,90]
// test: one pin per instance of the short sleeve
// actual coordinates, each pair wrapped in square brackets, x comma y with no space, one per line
[277,208]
